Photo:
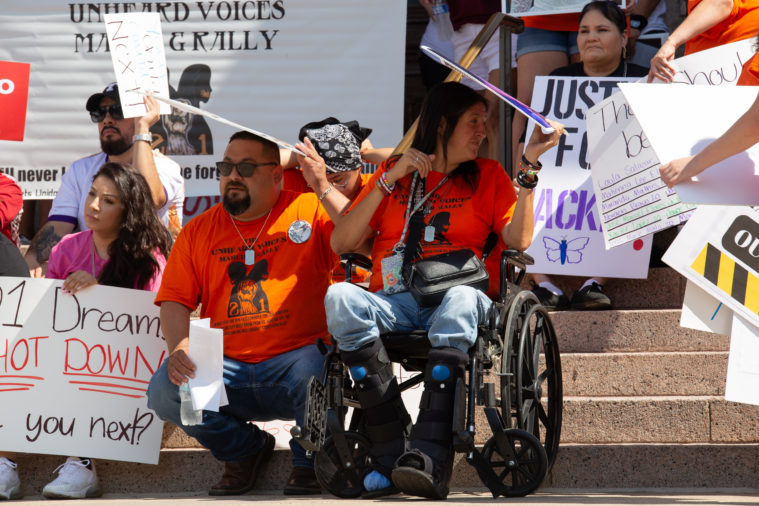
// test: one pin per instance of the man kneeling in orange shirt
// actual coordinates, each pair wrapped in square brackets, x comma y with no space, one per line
[256,262]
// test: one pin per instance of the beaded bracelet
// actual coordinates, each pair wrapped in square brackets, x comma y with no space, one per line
[526,181]
[525,164]
[384,186]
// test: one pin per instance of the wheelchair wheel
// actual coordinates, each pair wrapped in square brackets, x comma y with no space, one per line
[538,388]
[331,472]
[522,474]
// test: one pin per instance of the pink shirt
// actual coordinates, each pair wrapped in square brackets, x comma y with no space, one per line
[75,253]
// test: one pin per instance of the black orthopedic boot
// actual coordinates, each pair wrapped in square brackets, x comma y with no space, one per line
[425,470]
[386,420]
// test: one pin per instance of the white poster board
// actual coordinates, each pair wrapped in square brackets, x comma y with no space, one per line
[701,311]
[139,63]
[681,120]
[568,237]
[272,66]
[718,66]
[74,370]
[742,383]
[519,8]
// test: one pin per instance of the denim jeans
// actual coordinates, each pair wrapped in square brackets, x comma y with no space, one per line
[356,317]
[271,390]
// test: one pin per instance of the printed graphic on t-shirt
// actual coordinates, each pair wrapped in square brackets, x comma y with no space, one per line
[248,296]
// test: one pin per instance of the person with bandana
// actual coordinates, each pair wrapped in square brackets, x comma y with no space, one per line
[122,140]
[256,263]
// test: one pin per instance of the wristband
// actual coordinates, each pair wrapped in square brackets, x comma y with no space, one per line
[143,137]
[329,189]
[525,164]
[526,182]
[383,187]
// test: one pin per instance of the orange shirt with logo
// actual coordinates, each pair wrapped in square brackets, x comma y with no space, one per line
[750,72]
[742,23]
[267,308]
[462,218]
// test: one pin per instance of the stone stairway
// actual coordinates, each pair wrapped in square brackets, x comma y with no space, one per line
[643,408]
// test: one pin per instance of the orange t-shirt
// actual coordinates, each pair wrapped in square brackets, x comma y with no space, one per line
[750,73]
[294,181]
[462,219]
[556,22]
[742,23]
[270,307]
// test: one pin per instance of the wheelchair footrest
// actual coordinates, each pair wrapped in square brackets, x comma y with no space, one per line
[314,431]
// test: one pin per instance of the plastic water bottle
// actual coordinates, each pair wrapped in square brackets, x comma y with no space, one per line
[188,414]
[441,16]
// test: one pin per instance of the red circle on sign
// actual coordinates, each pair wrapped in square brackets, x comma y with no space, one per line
[638,244]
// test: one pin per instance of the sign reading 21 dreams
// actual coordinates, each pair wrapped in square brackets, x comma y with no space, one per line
[568,237]
[269,65]
[74,370]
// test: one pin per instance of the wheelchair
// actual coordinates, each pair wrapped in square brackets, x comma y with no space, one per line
[514,374]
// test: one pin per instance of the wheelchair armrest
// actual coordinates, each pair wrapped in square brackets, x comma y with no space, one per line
[356,259]
[518,258]
[510,260]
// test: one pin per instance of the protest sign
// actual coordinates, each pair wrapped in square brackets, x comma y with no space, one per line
[625,174]
[718,250]
[518,8]
[701,311]
[568,237]
[74,370]
[14,90]
[139,62]
[719,66]
[675,129]
[742,383]
[272,66]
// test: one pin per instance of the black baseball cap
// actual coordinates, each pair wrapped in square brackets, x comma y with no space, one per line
[111,91]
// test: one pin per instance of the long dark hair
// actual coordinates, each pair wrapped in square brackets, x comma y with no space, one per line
[447,101]
[609,10]
[132,262]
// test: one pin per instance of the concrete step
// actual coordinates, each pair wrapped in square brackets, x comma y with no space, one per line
[616,466]
[641,374]
[630,331]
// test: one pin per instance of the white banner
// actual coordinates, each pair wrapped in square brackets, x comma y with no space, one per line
[568,236]
[273,66]
[519,8]
[74,370]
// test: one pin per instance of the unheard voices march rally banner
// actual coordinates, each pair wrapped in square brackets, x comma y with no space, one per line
[271,65]
[520,8]
[74,370]
[568,237]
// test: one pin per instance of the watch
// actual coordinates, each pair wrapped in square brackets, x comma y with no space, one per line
[143,137]
[638,22]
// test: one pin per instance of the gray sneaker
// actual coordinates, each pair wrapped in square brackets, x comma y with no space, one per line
[10,485]
[76,479]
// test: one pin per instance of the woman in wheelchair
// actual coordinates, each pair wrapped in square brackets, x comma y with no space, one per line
[439,180]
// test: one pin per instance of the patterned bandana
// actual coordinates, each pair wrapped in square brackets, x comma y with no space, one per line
[338,143]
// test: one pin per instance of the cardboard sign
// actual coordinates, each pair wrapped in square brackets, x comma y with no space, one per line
[138,58]
[14,90]
[675,129]
[568,237]
[519,8]
[74,370]
[272,65]
[625,171]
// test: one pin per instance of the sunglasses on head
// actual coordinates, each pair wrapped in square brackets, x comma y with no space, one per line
[114,110]
[244,169]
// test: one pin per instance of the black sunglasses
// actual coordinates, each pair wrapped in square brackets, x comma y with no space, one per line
[244,169]
[114,110]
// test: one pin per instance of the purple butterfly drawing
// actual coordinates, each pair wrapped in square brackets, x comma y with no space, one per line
[565,251]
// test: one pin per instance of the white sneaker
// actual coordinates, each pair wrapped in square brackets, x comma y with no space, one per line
[74,481]
[10,485]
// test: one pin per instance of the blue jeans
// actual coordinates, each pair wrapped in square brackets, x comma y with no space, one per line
[356,317]
[271,390]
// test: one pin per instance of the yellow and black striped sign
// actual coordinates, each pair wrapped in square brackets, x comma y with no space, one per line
[728,276]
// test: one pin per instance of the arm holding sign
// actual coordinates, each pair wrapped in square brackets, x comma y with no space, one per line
[142,155]
[742,135]
[175,323]
[704,16]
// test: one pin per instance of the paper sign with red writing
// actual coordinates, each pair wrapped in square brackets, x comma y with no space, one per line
[75,369]
[14,91]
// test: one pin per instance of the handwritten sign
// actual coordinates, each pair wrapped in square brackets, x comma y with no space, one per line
[719,66]
[138,58]
[568,237]
[519,8]
[74,370]
[14,90]
[625,172]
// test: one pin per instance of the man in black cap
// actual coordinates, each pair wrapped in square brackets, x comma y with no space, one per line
[123,140]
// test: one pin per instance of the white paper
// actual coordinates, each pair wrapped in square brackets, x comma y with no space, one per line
[207,353]
[742,383]
[718,66]
[136,43]
[701,311]
[682,120]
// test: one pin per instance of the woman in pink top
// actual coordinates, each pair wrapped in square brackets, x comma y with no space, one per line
[126,246]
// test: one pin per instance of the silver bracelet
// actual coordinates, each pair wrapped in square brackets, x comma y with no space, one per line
[329,189]
[143,137]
